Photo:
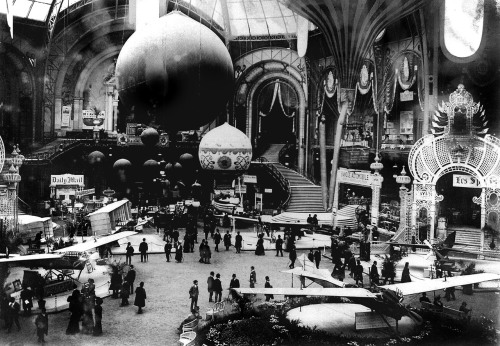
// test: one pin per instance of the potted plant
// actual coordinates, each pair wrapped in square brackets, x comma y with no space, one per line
[492,232]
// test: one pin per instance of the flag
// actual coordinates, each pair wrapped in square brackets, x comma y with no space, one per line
[10,16]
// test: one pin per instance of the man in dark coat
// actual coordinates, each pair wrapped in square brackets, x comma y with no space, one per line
[268,285]
[317,257]
[129,253]
[168,250]
[279,246]
[358,273]
[210,284]
[143,249]
[42,325]
[374,277]
[194,292]
[130,278]
[217,239]
[116,283]
[217,286]
[227,240]
[292,256]
[140,297]
[27,300]
[253,277]
[13,314]
[235,283]
[238,242]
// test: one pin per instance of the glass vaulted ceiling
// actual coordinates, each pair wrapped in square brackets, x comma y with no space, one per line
[31,9]
[245,18]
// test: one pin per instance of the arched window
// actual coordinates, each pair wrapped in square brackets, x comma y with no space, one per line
[462,24]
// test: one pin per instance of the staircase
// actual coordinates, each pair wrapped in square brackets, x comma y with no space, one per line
[469,237]
[346,216]
[272,153]
[305,196]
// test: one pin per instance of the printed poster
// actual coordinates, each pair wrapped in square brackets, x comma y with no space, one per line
[406,122]
[66,114]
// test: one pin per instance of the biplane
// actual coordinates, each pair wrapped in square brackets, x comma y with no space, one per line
[64,262]
[441,249]
[385,300]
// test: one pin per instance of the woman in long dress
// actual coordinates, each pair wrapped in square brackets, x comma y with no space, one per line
[75,307]
[405,277]
[140,297]
[259,251]
[98,316]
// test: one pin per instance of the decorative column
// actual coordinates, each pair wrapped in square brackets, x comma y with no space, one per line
[403,179]
[108,121]
[12,178]
[481,201]
[77,113]
[377,180]
[322,161]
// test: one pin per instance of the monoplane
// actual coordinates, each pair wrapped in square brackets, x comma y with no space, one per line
[385,300]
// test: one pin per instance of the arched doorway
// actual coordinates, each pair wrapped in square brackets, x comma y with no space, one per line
[457,206]
[277,108]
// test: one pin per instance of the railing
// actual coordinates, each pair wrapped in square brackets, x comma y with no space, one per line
[28,209]
[276,174]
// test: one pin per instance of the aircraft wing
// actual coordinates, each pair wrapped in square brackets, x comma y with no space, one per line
[419,246]
[36,257]
[91,244]
[316,291]
[314,276]
[417,287]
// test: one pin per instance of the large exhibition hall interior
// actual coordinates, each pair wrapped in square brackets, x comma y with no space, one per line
[338,129]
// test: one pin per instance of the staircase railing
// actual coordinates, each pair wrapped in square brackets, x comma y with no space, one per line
[28,209]
[276,174]
[52,153]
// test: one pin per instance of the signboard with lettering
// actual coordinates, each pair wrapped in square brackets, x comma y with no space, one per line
[65,116]
[85,192]
[353,157]
[250,179]
[88,117]
[423,195]
[66,179]
[240,189]
[355,177]
[461,180]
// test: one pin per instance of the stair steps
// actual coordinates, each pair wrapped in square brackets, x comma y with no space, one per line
[470,238]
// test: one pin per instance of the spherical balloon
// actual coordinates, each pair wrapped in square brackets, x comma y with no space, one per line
[177,167]
[177,73]
[122,164]
[150,137]
[169,167]
[95,157]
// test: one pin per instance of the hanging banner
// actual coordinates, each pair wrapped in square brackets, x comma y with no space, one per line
[66,179]
[354,177]
[88,117]
[66,114]
[406,122]
[460,180]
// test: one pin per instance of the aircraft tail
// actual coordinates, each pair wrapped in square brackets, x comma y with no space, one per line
[450,240]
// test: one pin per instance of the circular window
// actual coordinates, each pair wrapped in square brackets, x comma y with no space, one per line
[224,162]
[493,199]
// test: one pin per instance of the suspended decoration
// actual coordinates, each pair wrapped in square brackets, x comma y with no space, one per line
[330,84]
[122,164]
[150,137]
[405,75]
[95,157]
[177,74]
[277,93]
